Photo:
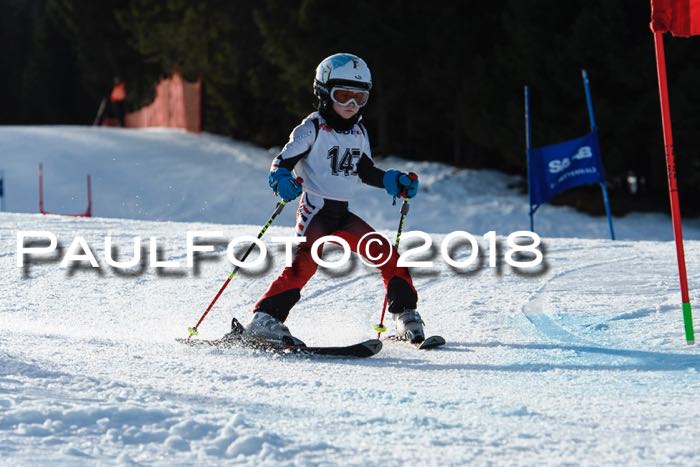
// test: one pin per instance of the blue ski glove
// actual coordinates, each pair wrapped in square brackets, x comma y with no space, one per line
[400,184]
[283,184]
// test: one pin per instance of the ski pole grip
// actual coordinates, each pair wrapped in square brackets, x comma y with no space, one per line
[300,180]
[404,207]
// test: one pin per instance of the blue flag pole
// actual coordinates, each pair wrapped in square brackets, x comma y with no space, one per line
[594,129]
[527,156]
[2,190]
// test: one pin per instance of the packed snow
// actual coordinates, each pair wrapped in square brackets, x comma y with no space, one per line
[579,360]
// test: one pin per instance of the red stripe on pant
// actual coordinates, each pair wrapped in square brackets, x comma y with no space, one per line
[304,267]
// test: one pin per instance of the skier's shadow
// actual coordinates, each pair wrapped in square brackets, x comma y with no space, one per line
[640,360]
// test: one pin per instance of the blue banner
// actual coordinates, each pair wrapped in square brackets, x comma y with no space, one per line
[559,167]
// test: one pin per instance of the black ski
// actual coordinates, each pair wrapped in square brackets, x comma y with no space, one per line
[361,350]
[431,342]
[428,343]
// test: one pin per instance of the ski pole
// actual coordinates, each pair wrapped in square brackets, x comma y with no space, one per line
[278,209]
[380,328]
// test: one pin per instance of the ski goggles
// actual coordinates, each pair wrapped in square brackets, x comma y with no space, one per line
[344,95]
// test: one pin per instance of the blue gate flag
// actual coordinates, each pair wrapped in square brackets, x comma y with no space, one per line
[559,167]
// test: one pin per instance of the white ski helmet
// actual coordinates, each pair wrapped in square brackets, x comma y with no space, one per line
[341,70]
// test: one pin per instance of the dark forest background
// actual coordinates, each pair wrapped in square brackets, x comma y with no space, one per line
[448,75]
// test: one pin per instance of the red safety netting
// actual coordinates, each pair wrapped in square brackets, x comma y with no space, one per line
[178,104]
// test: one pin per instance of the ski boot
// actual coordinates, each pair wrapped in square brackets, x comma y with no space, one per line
[409,326]
[268,328]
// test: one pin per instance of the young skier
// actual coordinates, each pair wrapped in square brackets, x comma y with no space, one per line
[330,151]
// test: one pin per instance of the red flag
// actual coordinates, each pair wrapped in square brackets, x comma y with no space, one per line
[680,17]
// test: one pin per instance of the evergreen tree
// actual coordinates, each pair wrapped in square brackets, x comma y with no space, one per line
[448,77]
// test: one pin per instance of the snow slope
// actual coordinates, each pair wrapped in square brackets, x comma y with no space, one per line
[161,174]
[579,361]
